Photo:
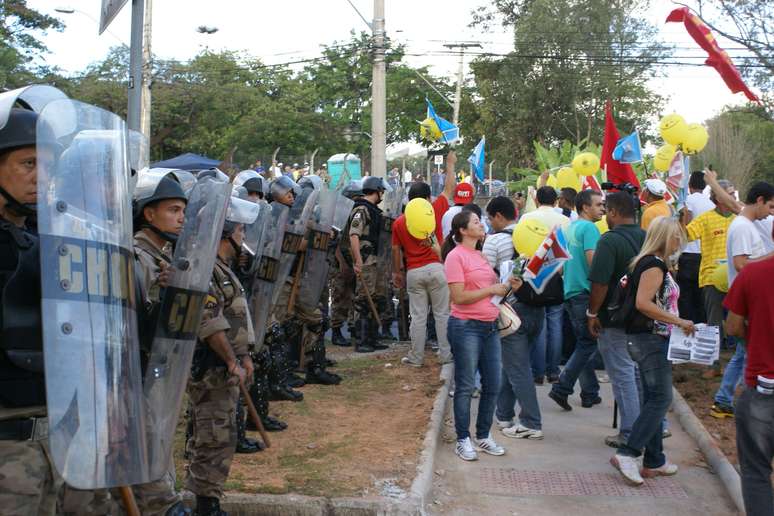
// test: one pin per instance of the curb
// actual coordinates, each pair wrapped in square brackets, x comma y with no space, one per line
[710,449]
[301,505]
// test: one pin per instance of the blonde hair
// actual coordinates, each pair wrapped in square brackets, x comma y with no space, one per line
[660,232]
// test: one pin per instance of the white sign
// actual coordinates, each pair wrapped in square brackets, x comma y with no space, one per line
[438,159]
[108,11]
[703,347]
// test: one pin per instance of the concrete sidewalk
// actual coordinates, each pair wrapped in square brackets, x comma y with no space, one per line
[568,472]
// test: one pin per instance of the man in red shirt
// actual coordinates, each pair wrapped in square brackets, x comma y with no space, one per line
[750,303]
[424,276]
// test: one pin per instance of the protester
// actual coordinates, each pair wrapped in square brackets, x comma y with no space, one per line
[615,250]
[473,333]
[744,245]
[648,327]
[582,237]
[566,203]
[423,277]
[696,203]
[656,206]
[547,352]
[463,195]
[516,381]
[750,302]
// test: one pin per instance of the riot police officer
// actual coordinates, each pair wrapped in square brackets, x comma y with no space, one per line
[253,182]
[342,279]
[363,230]
[221,362]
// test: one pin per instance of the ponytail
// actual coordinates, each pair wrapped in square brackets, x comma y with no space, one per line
[459,222]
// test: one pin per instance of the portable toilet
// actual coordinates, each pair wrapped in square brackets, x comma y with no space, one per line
[343,165]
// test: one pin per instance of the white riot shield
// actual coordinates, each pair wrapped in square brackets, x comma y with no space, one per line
[252,243]
[265,276]
[391,210]
[344,207]
[174,341]
[90,338]
[314,276]
[295,231]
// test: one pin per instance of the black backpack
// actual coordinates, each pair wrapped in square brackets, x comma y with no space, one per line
[622,310]
[553,294]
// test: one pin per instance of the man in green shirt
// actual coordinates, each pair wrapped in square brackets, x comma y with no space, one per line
[582,237]
[615,251]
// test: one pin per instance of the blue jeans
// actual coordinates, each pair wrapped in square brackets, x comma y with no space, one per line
[624,376]
[649,351]
[518,383]
[547,351]
[475,346]
[580,366]
[755,446]
[732,376]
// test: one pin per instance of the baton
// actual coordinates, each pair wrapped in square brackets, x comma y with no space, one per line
[253,415]
[370,299]
[130,504]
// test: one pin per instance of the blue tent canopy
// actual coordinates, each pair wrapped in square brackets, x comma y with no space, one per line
[188,161]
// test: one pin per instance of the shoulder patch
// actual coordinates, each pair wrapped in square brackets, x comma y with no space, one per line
[210,302]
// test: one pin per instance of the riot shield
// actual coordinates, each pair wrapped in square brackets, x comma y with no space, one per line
[391,210]
[252,243]
[265,276]
[314,275]
[180,312]
[295,231]
[343,211]
[90,338]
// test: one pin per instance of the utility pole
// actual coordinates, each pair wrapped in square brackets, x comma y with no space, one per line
[460,76]
[378,96]
[147,70]
[135,66]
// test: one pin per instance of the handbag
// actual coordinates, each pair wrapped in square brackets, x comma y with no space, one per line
[508,322]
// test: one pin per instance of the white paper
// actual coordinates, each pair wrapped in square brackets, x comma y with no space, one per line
[703,347]
[506,269]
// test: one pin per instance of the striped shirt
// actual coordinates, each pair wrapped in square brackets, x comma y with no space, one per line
[498,247]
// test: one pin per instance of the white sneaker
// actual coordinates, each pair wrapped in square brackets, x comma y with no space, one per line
[667,470]
[629,468]
[488,445]
[522,432]
[504,424]
[464,449]
[407,361]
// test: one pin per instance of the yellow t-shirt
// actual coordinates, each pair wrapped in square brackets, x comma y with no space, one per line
[711,227]
[655,209]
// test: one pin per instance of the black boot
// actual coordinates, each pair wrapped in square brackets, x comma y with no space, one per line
[244,443]
[284,393]
[354,333]
[272,424]
[295,381]
[373,335]
[363,344]
[208,506]
[178,510]
[386,333]
[337,339]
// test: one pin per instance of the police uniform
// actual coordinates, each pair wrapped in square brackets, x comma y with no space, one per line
[365,222]
[341,283]
[212,391]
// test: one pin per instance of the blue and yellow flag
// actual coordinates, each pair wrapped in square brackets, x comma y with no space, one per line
[437,129]
[477,159]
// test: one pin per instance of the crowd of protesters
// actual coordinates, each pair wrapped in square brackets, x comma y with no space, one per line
[677,265]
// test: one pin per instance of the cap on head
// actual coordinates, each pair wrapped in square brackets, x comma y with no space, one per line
[463,193]
[656,187]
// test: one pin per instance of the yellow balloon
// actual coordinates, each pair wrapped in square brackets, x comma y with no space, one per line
[429,130]
[585,164]
[551,181]
[672,128]
[420,218]
[567,178]
[528,235]
[719,278]
[696,138]
[602,225]
[663,157]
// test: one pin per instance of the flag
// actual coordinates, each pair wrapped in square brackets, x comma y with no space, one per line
[450,133]
[615,171]
[591,183]
[676,172]
[718,58]
[476,159]
[548,260]
[628,149]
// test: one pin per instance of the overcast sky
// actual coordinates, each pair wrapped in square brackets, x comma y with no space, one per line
[288,30]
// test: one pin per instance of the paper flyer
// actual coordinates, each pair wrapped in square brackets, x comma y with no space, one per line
[703,347]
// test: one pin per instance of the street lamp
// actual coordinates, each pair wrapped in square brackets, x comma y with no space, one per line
[70,10]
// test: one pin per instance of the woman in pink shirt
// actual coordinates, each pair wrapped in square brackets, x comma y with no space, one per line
[472,332]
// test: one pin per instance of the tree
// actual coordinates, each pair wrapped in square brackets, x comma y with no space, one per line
[554,84]
[20,27]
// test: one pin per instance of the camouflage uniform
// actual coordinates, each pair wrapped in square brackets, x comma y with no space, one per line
[28,481]
[157,497]
[341,281]
[212,391]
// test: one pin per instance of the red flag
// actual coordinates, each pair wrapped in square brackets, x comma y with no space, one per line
[718,58]
[591,183]
[617,172]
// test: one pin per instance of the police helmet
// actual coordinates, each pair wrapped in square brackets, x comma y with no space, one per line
[153,186]
[19,130]
[252,181]
[240,211]
[353,189]
[373,184]
[312,181]
[281,186]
